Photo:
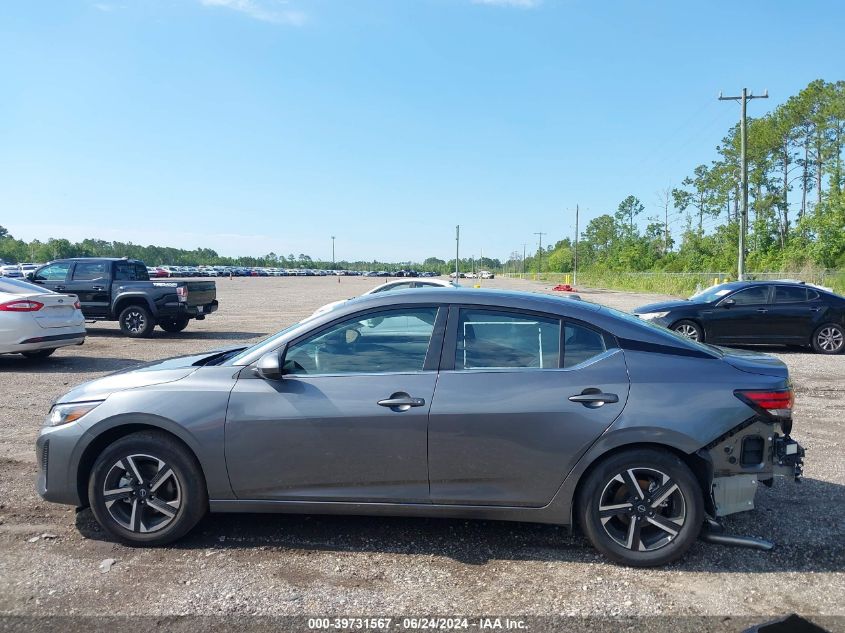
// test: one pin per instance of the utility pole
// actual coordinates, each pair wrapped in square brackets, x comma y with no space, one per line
[540,263]
[744,98]
[575,266]
[457,250]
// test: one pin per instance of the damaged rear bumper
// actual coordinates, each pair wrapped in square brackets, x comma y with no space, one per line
[755,452]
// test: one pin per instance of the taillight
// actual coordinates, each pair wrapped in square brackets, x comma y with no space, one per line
[776,403]
[21,305]
[182,293]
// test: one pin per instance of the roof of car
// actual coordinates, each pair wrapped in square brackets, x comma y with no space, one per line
[94,259]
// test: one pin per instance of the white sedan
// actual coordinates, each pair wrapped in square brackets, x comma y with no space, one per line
[35,322]
[400,284]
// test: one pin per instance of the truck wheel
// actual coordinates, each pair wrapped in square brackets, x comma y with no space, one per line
[173,325]
[136,321]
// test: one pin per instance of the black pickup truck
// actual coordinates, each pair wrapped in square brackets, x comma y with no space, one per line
[112,289]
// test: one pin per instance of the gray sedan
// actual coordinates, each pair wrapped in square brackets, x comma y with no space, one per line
[438,402]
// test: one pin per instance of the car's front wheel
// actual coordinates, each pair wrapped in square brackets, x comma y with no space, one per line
[147,489]
[690,329]
[641,507]
[829,339]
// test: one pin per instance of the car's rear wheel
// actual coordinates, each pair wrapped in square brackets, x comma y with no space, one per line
[173,325]
[829,339]
[136,321]
[641,507]
[147,489]
[39,353]
[690,329]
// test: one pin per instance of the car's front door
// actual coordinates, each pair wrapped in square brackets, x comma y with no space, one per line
[347,421]
[90,282]
[742,317]
[510,418]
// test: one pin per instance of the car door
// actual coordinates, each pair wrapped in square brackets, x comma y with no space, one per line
[52,276]
[348,420]
[510,416]
[90,282]
[791,316]
[741,317]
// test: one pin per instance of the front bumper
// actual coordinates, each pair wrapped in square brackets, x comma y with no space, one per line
[57,450]
[755,452]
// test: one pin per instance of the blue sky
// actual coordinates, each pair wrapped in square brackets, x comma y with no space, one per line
[251,126]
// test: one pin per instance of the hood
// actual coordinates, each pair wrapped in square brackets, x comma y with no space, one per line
[755,362]
[144,375]
[663,306]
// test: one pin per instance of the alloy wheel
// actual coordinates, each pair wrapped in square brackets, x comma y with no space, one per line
[685,329]
[642,509]
[142,493]
[830,339]
[136,321]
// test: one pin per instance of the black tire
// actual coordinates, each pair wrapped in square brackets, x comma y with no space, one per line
[173,325]
[829,339]
[132,516]
[644,544]
[689,329]
[39,353]
[136,321]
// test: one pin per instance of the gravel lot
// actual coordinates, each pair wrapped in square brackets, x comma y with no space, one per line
[50,557]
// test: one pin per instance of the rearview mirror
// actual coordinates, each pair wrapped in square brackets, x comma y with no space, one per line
[269,366]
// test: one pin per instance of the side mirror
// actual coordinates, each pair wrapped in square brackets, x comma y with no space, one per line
[30,276]
[727,303]
[269,366]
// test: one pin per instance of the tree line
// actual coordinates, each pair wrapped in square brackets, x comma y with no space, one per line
[796,204]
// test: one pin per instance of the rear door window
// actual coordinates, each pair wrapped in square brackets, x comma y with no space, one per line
[790,294]
[488,339]
[580,344]
[90,271]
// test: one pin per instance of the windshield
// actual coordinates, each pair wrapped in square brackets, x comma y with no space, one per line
[712,293]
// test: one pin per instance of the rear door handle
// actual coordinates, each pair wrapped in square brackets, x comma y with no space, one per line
[594,399]
[815,309]
[401,402]
[98,287]
[762,310]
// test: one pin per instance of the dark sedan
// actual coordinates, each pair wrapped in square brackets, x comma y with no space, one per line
[757,313]
[440,402]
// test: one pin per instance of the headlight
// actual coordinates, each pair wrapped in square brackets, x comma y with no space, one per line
[648,316]
[65,413]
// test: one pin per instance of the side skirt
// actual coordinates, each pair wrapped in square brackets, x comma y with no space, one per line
[548,514]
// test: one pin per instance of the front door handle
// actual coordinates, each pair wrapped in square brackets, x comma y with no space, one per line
[815,309]
[762,310]
[401,401]
[60,288]
[98,287]
[594,398]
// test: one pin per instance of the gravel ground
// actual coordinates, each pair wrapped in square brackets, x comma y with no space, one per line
[51,558]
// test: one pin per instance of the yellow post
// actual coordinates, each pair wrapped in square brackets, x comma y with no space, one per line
[567,279]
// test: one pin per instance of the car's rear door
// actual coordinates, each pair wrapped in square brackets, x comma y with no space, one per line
[348,420]
[510,416]
[792,317]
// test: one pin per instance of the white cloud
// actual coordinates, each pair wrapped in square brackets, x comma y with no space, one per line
[275,11]
[523,4]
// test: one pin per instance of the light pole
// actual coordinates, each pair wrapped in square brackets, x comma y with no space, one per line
[332,252]
[457,250]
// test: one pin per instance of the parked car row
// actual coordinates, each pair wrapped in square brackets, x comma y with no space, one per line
[17,271]
[264,271]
